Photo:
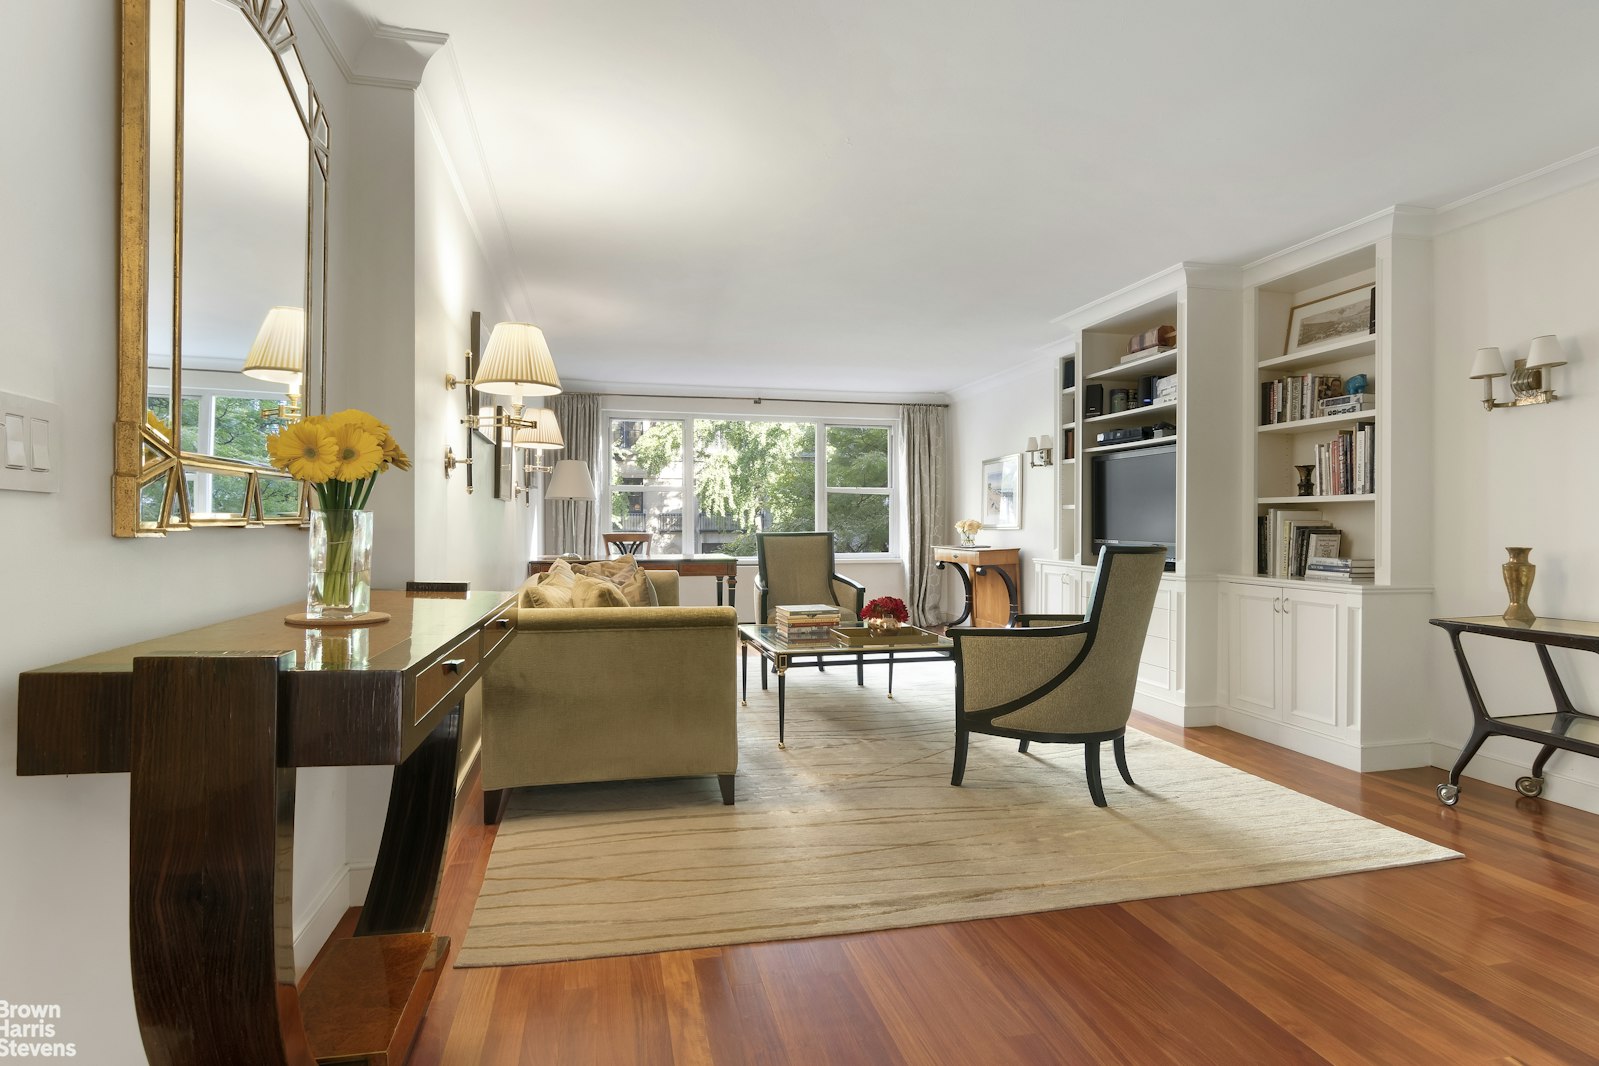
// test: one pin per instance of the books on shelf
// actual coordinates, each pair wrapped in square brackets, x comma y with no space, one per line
[1291,540]
[1346,465]
[1342,570]
[1298,397]
[1346,403]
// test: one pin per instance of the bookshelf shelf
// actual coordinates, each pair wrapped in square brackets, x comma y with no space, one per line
[1128,445]
[1133,414]
[1163,362]
[1333,351]
[1273,501]
[1311,425]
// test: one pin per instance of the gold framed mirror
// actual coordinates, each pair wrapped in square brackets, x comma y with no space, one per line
[222,329]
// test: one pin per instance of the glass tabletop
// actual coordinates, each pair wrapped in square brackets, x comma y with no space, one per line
[766,637]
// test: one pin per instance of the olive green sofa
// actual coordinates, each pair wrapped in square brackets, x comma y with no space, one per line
[612,694]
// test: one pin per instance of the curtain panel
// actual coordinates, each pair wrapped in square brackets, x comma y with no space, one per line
[574,522]
[924,509]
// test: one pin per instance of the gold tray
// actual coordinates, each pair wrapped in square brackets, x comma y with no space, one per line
[860,636]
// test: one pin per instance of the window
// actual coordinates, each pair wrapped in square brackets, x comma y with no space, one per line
[227,425]
[737,477]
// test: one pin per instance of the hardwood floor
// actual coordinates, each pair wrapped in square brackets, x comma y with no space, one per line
[1494,959]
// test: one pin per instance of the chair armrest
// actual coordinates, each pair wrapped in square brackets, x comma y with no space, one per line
[997,666]
[1023,621]
[848,593]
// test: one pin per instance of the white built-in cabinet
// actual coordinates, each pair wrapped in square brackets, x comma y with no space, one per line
[1325,669]
[1318,670]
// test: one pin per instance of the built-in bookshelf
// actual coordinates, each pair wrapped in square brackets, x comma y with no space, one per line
[1360,484]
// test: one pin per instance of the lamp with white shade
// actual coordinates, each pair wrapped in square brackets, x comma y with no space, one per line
[278,354]
[538,439]
[1039,450]
[570,483]
[516,363]
[1531,380]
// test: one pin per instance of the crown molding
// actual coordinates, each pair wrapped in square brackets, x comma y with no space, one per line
[990,382]
[1570,173]
[369,52]
[1174,278]
[679,390]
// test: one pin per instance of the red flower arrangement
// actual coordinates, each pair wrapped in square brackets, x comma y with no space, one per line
[886,607]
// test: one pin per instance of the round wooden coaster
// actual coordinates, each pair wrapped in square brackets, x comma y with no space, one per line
[305,621]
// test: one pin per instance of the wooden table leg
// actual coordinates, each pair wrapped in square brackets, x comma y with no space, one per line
[732,589]
[405,877]
[212,852]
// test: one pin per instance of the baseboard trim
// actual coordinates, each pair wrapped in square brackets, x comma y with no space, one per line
[1495,770]
[1363,758]
[1174,712]
[345,889]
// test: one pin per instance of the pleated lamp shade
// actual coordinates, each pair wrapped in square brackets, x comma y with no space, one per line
[278,353]
[545,436]
[517,363]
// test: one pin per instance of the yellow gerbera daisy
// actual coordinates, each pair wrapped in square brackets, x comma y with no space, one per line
[305,451]
[357,452]
[393,455]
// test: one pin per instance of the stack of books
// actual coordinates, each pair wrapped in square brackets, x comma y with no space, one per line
[1291,539]
[1296,398]
[1347,465]
[1342,571]
[798,623]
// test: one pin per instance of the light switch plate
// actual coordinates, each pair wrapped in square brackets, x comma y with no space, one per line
[32,447]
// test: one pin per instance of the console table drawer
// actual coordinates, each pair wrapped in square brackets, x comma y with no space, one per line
[496,629]
[436,680]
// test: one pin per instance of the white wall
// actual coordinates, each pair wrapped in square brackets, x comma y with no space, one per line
[995,417]
[1516,477]
[64,874]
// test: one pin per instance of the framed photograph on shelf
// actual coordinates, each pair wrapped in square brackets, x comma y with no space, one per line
[1343,314]
[1002,492]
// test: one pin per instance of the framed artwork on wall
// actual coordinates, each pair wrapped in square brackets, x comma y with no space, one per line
[1343,314]
[1002,492]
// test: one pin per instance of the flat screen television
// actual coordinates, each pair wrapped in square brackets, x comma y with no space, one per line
[1135,498]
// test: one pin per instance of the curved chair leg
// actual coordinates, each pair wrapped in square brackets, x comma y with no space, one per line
[1022,747]
[961,737]
[1119,746]
[1091,758]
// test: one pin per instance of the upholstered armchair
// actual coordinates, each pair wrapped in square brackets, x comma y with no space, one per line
[1062,679]
[794,568]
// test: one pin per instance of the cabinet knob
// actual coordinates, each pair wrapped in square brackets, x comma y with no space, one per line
[452,666]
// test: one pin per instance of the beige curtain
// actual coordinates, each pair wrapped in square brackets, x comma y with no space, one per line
[584,432]
[924,509]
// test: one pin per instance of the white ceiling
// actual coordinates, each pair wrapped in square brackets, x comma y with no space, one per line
[899,195]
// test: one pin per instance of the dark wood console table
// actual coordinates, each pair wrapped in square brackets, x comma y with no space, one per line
[724,568]
[211,725]
[1566,729]
[992,578]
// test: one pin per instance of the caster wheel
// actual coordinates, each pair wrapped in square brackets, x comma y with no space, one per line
[1529,786]
[1448,794]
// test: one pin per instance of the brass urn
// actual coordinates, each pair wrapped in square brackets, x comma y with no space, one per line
[1518,584]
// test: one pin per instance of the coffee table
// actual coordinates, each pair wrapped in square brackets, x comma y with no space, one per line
[781,655]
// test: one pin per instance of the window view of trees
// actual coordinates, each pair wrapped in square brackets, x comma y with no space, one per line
[230,427]
[749,476]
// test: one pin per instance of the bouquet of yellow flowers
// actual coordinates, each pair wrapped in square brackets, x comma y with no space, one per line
[340,454]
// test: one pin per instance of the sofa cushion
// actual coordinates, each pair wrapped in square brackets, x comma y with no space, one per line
[624,573]
[538,593]
[559,573]
[596,592]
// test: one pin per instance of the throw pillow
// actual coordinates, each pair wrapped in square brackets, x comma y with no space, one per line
[625,574]
[538,593]
[559,573]
[596,592]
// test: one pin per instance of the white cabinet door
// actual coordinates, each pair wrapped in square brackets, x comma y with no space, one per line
[1254,637]
[1313,694]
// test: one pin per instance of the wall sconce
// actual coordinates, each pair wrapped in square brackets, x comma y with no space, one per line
[278,354]
[539,440]
[515,363]
[1532,380]
[1040,450]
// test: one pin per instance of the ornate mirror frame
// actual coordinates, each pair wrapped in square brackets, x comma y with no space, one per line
[148,459]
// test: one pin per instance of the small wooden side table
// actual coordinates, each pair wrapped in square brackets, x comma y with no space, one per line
[993,581]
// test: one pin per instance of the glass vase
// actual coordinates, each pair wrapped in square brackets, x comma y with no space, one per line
[339,584]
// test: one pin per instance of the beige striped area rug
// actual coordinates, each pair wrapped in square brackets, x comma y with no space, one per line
[855,827]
